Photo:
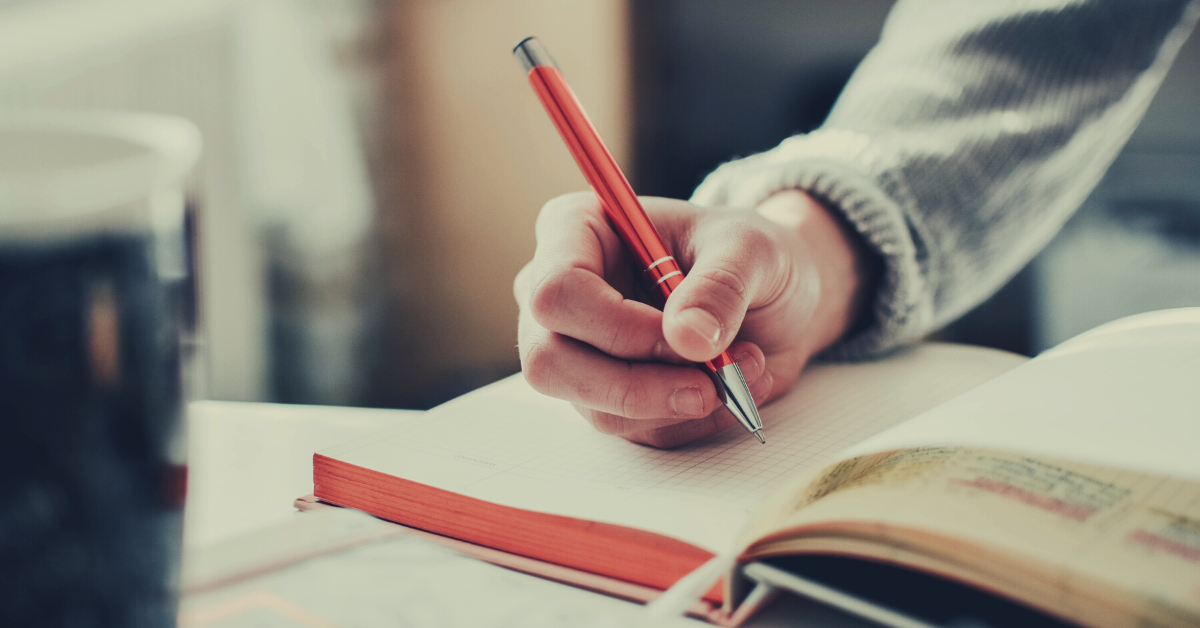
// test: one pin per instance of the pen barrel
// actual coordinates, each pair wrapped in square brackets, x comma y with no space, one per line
[616,196]
[624,211]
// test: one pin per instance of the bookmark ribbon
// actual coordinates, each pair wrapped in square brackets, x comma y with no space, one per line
[685,593]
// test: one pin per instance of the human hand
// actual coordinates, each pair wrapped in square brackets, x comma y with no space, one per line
[775,286]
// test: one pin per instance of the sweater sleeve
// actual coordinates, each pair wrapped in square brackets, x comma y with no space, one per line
[965,140]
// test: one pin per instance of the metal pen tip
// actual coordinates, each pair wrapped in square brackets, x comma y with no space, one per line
[735,394]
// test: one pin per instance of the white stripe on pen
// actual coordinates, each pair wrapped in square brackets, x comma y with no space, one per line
[659,261]
[669,275]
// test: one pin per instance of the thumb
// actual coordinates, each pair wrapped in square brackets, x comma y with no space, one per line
[703,315]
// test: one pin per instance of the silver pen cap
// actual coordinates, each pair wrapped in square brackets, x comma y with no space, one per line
[531,54]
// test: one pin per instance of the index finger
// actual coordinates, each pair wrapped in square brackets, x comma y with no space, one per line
[566,287]
[572,232]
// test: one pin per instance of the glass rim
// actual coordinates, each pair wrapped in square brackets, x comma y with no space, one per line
[165,149]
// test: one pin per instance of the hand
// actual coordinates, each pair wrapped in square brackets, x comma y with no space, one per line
[776,286]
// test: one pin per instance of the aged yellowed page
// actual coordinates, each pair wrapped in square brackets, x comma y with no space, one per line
[1072,481]
[1095,544]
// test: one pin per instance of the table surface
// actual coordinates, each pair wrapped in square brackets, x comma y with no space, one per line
[247,462]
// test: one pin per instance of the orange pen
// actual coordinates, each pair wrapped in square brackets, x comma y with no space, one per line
[625,212]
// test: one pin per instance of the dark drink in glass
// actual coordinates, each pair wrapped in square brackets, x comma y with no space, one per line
[91,460]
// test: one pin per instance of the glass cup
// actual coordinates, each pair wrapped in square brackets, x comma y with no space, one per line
[92,279]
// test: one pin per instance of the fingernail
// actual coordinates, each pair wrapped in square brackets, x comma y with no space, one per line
[749,366]
[704,324]
[761,389]
[687,401]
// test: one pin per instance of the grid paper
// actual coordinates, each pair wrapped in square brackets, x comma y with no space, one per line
[833,407]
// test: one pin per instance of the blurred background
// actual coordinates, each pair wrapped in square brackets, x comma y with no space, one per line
[372,168]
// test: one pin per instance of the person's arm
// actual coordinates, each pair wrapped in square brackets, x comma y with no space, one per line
[965,140]
[960,146]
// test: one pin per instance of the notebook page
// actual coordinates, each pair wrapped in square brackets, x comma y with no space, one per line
[510,445]
[1125,395]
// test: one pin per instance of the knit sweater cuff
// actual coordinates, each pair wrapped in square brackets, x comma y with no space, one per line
[845,171]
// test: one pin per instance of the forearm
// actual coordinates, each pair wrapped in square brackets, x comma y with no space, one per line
[962,144]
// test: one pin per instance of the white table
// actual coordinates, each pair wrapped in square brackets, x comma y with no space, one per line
[247,462]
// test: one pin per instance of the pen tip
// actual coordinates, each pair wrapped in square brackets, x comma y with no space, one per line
[760,437]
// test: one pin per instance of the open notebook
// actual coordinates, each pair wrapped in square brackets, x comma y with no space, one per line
[1069,483]
[508,445]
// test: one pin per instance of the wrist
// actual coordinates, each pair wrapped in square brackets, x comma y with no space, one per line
[846,269]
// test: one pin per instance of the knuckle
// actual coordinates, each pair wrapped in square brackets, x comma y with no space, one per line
[606,423]
[622,340]
[628,398]
[726,287]
[537,364]
[546,297]
[727,279]
[564,206]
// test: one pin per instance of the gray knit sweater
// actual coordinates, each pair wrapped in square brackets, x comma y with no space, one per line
[965,140]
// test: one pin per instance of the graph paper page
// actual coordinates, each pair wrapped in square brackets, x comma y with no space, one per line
[510,445]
